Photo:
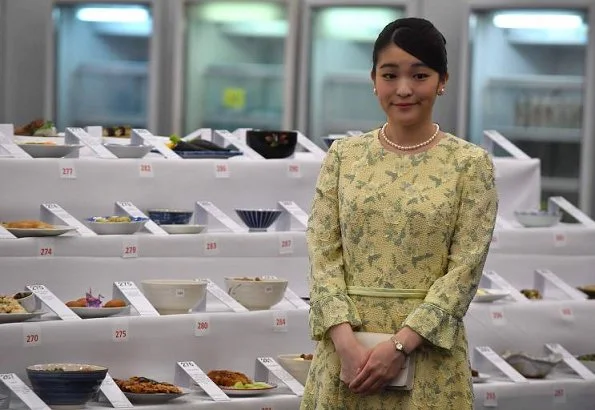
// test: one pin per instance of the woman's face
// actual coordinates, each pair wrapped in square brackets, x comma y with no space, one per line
[405,86]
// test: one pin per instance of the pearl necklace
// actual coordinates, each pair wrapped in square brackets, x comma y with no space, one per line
[408,147]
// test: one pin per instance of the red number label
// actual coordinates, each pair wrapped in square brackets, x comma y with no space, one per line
[145,167]
[32,338]
[221,168]
[490,395]
[497,315]
[45,252]
[211,246]
[120,334]
[267,408]
[286,243]
[567,312]
[280,321]
[559,393]
[294,168]
[202,325]
[130,250]
[67,171]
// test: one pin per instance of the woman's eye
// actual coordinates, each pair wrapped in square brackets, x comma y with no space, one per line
[389,76]
[420,76]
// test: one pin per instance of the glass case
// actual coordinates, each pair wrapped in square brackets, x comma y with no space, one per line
[527,71]
[235,68]
[338,55]
[102,64]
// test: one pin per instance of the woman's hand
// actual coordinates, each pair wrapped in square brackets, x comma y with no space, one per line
[383,364]
[353,358]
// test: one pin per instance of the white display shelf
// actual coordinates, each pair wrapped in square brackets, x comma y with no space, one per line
[541,134]
[562,82]
[560,184]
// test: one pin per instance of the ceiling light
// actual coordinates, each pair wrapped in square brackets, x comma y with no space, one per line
[529,20]
[113,14]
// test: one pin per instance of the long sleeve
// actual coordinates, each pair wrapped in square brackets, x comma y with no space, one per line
[439,318]
[329,303]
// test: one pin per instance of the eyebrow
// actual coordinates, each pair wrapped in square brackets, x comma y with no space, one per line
[413,65]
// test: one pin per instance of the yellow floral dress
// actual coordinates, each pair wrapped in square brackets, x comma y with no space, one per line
[383,220]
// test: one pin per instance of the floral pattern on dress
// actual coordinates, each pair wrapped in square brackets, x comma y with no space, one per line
[386,220]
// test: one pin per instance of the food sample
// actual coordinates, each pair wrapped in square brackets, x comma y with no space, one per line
[113,219]
[22,295]
[121,132]
[27,224]
[9,304]
[305,356]
[142,385]
[474,373]
[228,378]
[197,144]
[38,128]
[533,294]
[255,279]
[90,301]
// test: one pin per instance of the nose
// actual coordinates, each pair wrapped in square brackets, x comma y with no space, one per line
[403,88]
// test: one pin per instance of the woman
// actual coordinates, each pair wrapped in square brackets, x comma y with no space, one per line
[399,231]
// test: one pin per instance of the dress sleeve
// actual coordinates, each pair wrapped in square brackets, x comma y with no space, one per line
[329,303]
[439,318]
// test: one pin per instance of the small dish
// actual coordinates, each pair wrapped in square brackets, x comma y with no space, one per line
[258,220]
[208,154]
[115,228]
[537,218]
[183,229]
[91,312]
[57,230]
[296,366]
[231,391]
[485,295]
[256,293]
[174,296]
[48,150]
[18,317]
[532,366]
[164,216]
[154,398]
[28,301]
[128,151]
[272,144]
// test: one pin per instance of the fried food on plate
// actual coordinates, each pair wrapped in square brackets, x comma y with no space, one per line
[27,224]
[10,305]
[114,303]
[228,378]
[142,385]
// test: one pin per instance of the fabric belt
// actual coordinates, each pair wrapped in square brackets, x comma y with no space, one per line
[387,292]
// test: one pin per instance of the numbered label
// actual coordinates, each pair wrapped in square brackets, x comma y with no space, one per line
[559,395]
[212,247]
[560,239]
[285,245]
[497,316]
[202,326]
[46,251]
[31,334]
[567,314]
[145,170]
[130,248]
[293,171]
[121,331]
[67,169]
[490,399]
[280,321]
[222,170]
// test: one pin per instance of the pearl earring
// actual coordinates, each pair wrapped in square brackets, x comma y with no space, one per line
[375,91]
[441,92]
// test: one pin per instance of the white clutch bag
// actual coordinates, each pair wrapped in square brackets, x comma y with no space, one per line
[404,381]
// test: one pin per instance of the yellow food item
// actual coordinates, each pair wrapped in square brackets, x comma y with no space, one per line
[27,224]
[9,304]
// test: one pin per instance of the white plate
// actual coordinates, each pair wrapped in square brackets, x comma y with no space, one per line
[491,295]
[48,151]
[183,229]
[154,398]
[28,232]
[89,312]
[18,317]
[116,228]
[481,378]
[248,392]
[128,151]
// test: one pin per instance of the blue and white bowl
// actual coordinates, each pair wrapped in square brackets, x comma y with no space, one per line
[258,220]
[537,218]
[164,216]
[66,384]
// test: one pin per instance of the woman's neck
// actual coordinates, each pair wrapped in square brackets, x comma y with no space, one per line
[410,135]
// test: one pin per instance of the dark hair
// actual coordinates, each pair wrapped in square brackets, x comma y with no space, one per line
[419,38]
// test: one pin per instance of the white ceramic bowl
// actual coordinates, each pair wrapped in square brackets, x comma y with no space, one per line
[537,219]
[183,229]
[296,366]
[128,151]
[174,296]
[256,294]
[30,302]
[531,366]
[116,228]
[48,151]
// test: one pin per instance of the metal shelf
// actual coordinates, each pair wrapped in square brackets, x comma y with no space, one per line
[541,134]
[559,184]
[547,82]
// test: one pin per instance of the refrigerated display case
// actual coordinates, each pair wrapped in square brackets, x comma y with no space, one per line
[238,64]
[526,74]
[335,92]
[104,63]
